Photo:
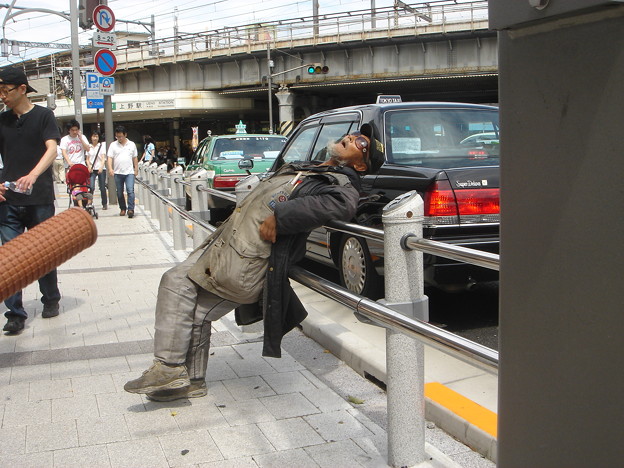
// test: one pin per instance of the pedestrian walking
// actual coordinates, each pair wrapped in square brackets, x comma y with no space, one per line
[149,149]
[123,164]
[59,167]
[28,144]
[96,162]
[74,144]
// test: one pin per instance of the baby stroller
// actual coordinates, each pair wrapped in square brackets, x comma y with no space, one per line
[78,188]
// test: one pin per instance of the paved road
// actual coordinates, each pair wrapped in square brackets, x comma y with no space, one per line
[472,314]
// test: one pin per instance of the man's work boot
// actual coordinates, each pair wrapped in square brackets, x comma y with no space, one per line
[159,377]
[195,390]
[50,310]
[14,324]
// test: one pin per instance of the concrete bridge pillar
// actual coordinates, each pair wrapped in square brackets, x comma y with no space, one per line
[286,111]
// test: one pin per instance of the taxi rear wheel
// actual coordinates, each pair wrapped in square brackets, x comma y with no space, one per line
[357,272]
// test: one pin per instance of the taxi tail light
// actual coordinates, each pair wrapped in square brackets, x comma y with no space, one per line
[221,182]
[440,204]
[478,201]
[444,206]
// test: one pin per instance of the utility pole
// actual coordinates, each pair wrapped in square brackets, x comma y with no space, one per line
[315,15]
[270,83]
[75,56]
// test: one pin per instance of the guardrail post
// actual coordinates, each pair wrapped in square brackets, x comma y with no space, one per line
[177,197]
[153,183]
[163,189]
[199,205]
[405,355]
[143,192]
[138,188]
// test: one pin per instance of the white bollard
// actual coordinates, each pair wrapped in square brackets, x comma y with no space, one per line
[138,188]
[153,182]
[199,205]
[404,355]
[177,197]
[163,189]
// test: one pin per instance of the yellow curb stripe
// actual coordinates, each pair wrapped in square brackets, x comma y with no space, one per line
[467,409]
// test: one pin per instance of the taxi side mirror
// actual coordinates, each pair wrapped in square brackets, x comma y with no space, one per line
[246,164]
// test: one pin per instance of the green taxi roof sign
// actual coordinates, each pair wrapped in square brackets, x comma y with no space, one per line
[241,128]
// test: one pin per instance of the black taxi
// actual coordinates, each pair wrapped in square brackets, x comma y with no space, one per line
[448,152]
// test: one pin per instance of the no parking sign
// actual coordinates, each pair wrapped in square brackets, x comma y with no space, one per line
[105,62]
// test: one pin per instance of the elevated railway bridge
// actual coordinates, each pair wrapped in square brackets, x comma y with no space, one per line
[435,51]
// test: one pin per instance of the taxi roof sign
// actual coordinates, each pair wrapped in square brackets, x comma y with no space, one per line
[241,128]
[388,99]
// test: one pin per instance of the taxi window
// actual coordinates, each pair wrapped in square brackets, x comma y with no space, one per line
[256,147]
[200,153]
[299,146]
[330,133]
[443,138]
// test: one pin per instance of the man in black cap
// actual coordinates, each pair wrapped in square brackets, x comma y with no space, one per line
[244,266]
[28,142]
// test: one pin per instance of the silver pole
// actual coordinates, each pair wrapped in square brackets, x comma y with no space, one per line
[270,83]
[75,56]
[109,133]
[405,356]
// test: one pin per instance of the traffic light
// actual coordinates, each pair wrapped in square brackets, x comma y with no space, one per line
[317,69]
[85,12]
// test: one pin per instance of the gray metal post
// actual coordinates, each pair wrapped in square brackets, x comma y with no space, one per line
[75,58]
[561,324]
[109,134]
[199,205]
[177,196]
[404,355]
[151,180]
[163,189]
[141,191]
[154,184]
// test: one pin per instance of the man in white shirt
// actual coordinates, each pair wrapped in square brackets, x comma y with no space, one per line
[124,166]
[74,144]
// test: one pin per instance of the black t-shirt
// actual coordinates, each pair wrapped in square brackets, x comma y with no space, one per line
[22,145]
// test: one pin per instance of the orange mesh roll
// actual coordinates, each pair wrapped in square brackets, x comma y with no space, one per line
[43,248]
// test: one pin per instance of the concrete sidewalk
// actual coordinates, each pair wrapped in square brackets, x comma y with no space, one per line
[62,402]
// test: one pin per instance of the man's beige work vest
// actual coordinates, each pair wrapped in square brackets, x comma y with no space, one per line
[235,262]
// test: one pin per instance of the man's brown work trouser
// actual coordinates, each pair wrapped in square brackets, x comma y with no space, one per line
[184,316]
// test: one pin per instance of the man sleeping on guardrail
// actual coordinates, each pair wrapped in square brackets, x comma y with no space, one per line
[244,264]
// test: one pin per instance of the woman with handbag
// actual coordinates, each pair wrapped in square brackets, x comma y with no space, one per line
[96,162]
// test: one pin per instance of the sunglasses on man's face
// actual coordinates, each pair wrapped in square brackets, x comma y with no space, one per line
[361,143]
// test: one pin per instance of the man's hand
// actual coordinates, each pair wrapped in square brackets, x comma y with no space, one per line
[2,190]
[24,183]
[268,229]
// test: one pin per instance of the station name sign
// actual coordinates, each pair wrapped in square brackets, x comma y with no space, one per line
[144,105]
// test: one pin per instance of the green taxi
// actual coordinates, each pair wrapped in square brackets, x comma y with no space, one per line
[220,154]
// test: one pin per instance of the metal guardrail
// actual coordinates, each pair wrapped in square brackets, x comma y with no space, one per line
[403,305]
[459,347]
[442,249]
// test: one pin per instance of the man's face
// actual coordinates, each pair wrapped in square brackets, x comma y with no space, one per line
[352,150]
[11,94]
[73,132]
[121,137]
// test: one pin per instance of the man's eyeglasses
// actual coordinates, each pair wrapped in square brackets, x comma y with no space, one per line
[360,142]
[6,91]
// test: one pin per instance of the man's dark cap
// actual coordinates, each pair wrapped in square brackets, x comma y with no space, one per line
[15,76]
[376,156]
